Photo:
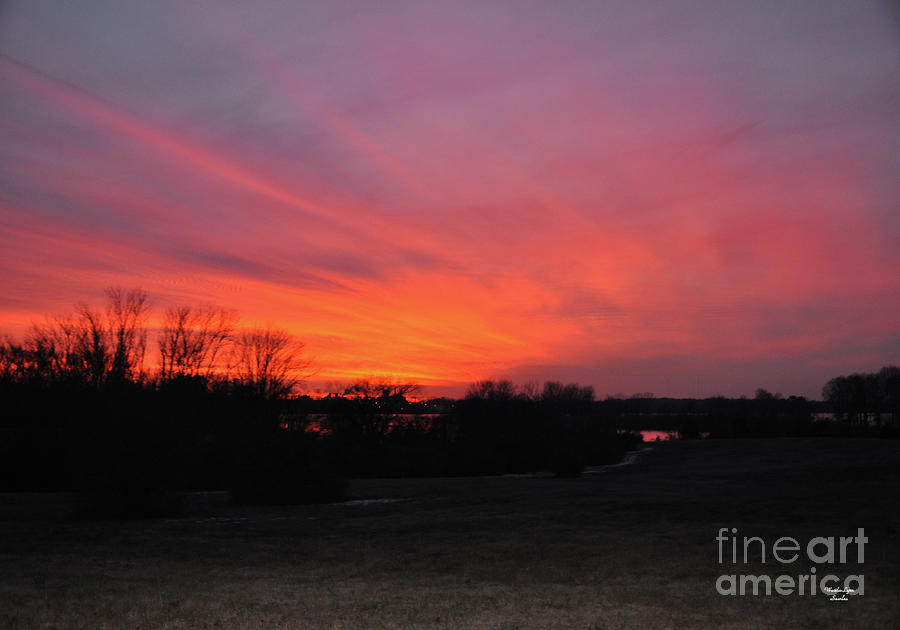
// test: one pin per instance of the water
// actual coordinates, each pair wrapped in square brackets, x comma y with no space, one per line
[660,435]
[656,435]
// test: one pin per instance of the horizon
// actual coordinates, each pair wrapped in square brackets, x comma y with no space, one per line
[692,199]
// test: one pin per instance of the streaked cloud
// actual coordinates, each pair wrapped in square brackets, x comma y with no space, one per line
[703,194]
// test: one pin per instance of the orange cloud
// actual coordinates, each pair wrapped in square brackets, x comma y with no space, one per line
[430,198]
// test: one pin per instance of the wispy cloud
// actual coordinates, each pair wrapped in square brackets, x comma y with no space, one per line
[452,191]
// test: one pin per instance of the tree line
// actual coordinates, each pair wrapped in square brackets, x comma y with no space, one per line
[867,398]
[81,411]
[102,347]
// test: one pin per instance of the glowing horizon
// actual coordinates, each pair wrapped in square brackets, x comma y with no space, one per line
[640,198]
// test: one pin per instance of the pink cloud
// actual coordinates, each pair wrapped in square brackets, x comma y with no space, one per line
[446,195]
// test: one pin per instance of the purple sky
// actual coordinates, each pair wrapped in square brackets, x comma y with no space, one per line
[685,198]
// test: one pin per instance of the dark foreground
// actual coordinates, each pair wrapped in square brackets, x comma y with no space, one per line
[630,547]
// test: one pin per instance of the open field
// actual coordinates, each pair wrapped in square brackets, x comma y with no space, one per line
[630,547]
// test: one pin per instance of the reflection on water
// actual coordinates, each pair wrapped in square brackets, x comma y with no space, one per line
[660,435]
[654,435]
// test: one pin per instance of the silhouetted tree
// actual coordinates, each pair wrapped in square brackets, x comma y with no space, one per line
[569,408]
[491,390]
[194,339]
[126,318]
[269,361]
[569,396]
[60,348]
[889,384]
[93,350]
[848,397]
[859,397]
[90,345]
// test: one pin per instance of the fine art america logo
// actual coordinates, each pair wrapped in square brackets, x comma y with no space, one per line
[826,552]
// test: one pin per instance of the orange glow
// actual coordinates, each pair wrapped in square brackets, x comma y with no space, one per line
[445,196]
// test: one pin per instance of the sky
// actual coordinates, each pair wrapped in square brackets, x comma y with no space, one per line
[689,198]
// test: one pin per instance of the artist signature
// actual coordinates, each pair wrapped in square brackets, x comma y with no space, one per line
[838,594]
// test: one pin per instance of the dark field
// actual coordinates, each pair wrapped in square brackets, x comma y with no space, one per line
[629,547]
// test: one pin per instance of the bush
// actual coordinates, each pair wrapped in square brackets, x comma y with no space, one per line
[287,471]
[127,470]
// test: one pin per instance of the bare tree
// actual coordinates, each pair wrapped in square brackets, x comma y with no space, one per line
[87,331]
[126,318]
[194,340]
[75,345]
[556,392]
[49,350]
[270,361]
[491,390]
[93,345]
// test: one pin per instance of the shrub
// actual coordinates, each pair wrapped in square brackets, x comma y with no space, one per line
[287,470]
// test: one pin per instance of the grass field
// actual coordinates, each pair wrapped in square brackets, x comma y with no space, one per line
[630,547]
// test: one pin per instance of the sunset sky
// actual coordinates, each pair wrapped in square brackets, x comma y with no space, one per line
[689,198]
